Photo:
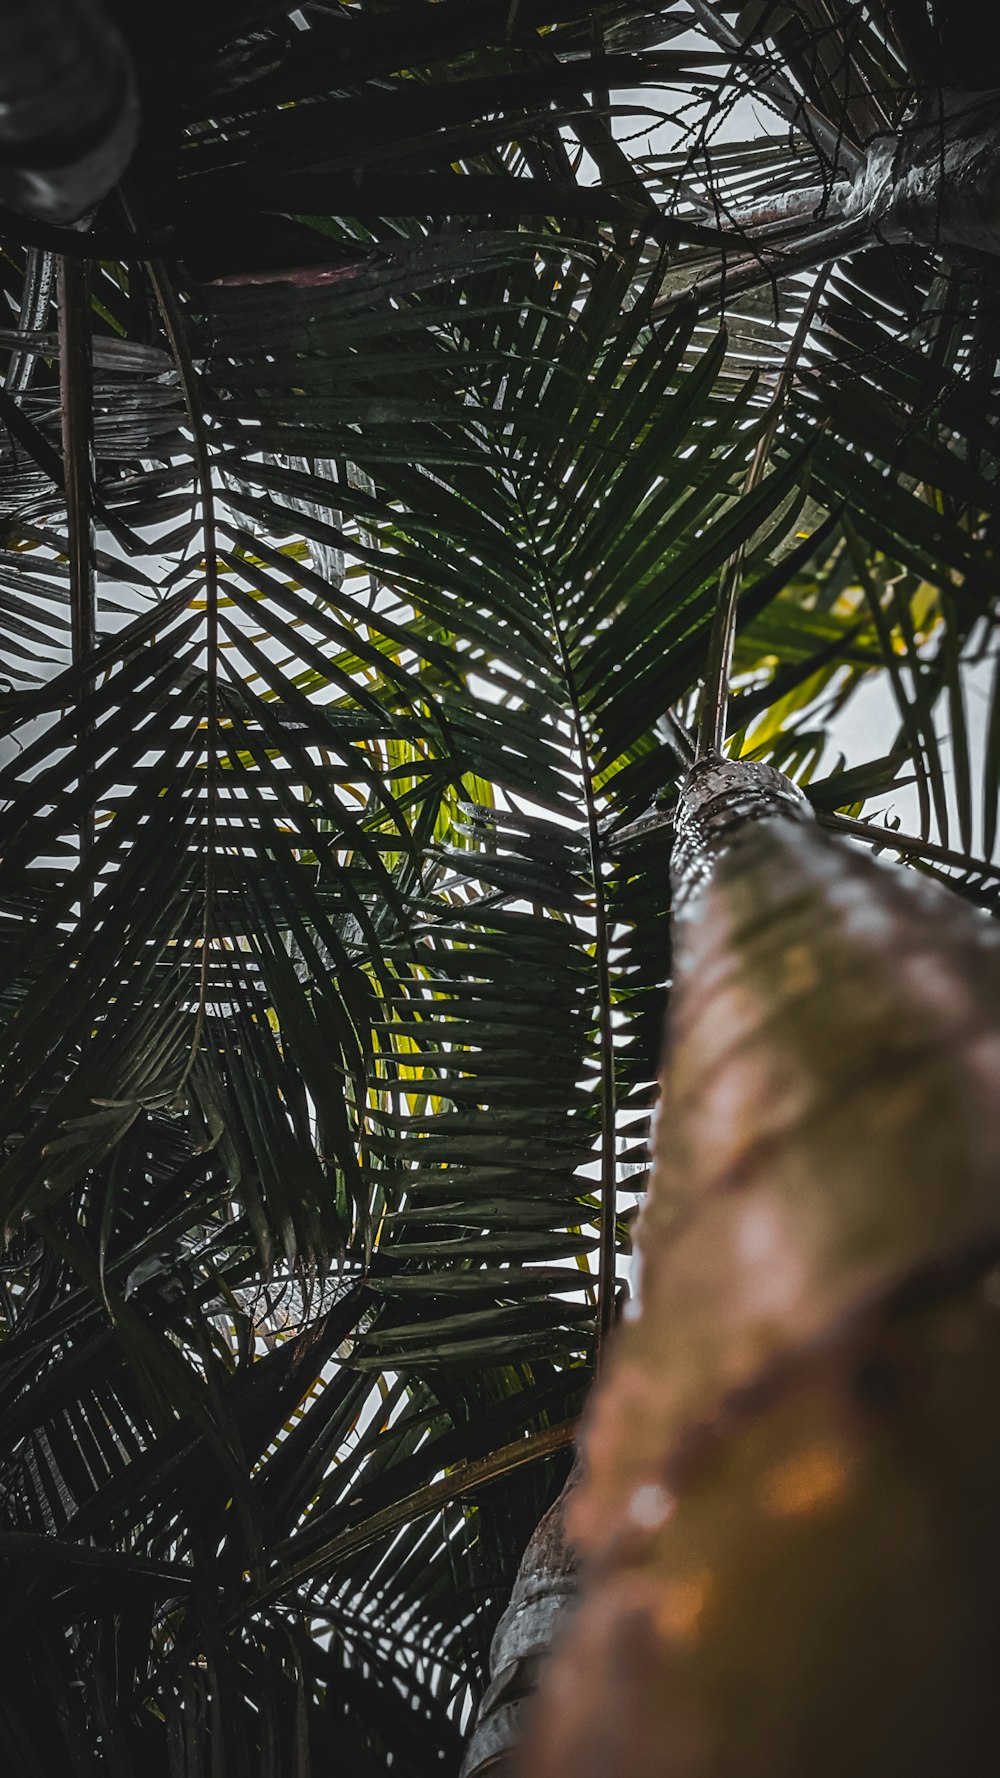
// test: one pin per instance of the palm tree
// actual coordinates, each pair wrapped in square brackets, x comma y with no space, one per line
[380,489]
[789,1521]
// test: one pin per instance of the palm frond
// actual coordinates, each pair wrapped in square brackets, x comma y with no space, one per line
[331,1002]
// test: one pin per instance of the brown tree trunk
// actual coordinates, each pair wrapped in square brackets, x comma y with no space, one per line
[789,1519]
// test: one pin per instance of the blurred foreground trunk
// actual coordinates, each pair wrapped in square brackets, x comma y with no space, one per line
[68,108]
[789,1520]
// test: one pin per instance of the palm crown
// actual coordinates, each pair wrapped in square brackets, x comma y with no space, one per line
[416,420]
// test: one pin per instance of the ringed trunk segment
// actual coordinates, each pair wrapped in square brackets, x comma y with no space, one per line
[545,1586]
[935,184]
[68,108]
[719,798]
[938,182]
[789,1518]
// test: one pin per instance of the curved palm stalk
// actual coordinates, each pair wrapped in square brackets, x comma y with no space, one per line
[68,110]
[789,1518]
[39,276]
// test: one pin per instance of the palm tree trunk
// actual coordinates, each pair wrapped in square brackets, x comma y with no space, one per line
[545,1586]
[935,184]
[938,182]
[789,1522]
[68,110]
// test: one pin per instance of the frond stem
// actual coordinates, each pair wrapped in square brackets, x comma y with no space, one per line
[606,1268]
[909,844]
[715,694]
[909,716]
[76,402]
[39,276]
[173,324]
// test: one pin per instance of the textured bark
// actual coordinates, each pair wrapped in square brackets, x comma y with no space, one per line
[936,183]
[545,1586]
[789,1521]
[68,109]
[939,182]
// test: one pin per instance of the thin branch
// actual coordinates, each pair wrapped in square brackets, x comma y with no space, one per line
[748,704]
[46,1551]
[607,1267]
[773,85]
[909,844]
